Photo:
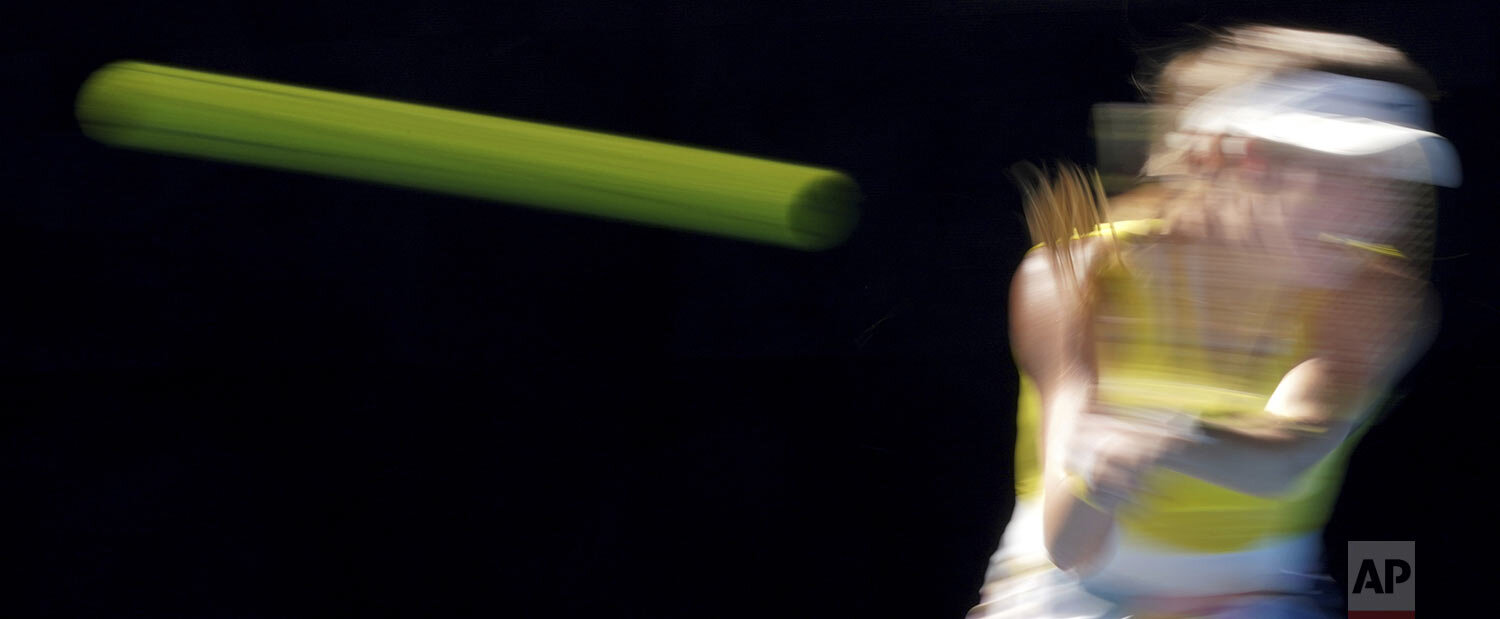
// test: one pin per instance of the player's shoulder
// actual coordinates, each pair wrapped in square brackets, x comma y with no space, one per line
[1042,283]
[1087,254]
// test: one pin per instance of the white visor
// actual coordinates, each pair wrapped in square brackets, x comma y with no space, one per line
[1337,115]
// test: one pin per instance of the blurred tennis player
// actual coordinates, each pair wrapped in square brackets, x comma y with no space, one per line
[1199,359]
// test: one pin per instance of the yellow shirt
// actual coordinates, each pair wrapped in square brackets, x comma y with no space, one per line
[1152,355]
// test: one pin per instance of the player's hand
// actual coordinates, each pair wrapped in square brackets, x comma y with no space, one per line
[1112,456]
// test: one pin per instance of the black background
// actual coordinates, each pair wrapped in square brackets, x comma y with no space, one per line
[232,392]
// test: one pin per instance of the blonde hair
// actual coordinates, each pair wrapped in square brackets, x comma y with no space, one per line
[1060,206]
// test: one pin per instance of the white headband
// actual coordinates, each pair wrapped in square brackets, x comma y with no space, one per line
[1333,114]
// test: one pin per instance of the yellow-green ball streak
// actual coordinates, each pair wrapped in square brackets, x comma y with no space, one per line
[171,110]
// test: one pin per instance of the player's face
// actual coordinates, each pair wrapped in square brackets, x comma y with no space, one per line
[1326,200]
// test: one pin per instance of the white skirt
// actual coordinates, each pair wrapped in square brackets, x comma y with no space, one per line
[1023,583]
